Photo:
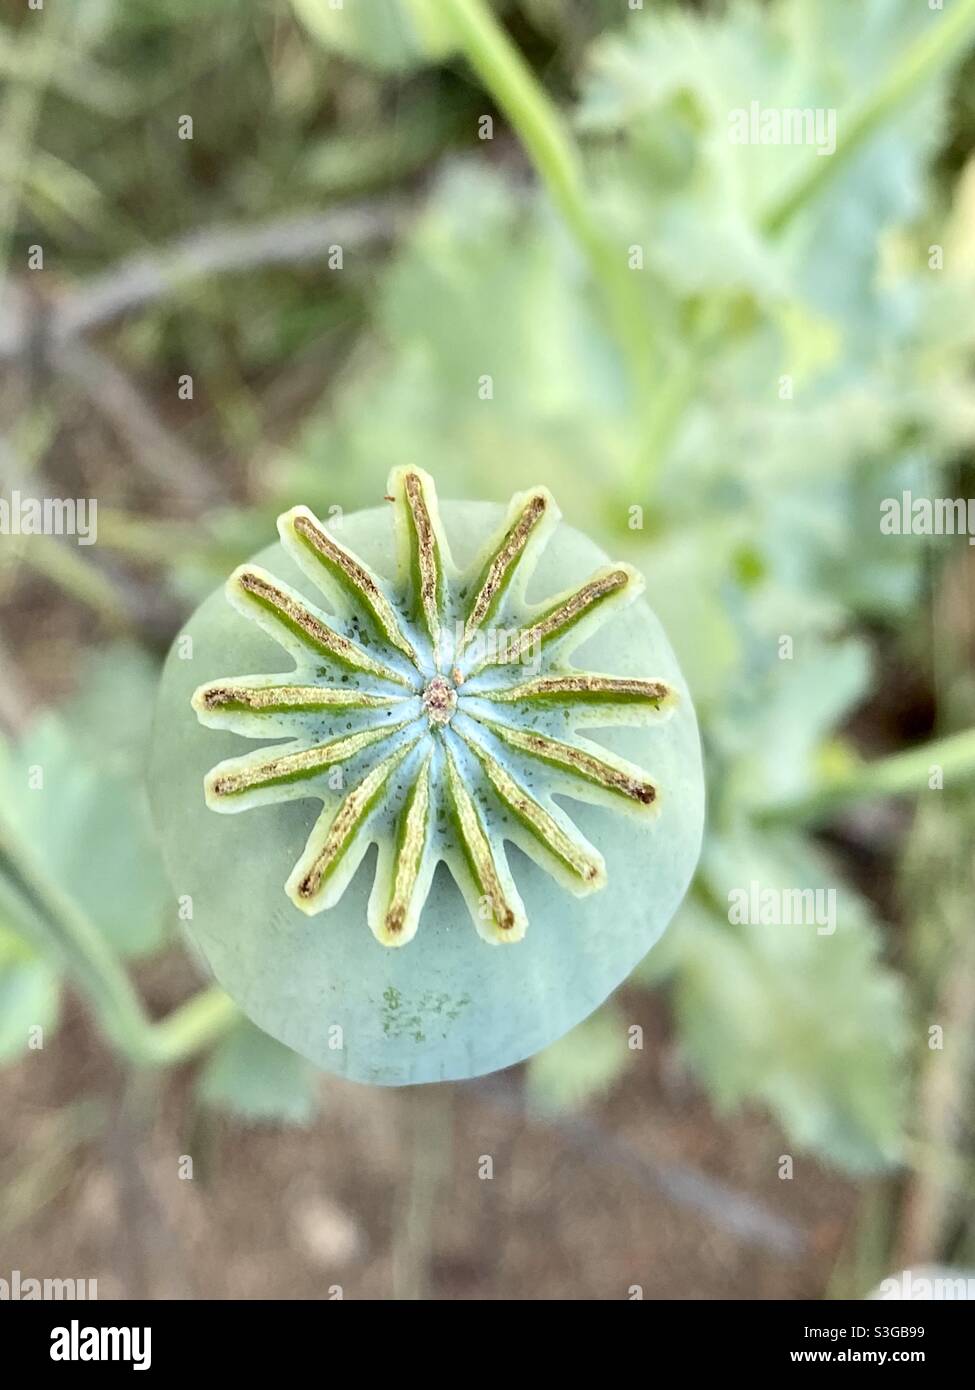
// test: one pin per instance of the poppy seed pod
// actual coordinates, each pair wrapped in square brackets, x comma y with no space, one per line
[477,796]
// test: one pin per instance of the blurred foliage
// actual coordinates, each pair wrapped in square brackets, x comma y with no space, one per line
[29,989]
[583,1064]
[251,1075]
[762,520]
[807,362]
[77,781]
[391,35]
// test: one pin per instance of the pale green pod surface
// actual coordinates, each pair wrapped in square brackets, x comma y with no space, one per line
[454,840]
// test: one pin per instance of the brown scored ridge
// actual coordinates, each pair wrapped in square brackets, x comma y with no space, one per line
[329,641]
[576,760]
[359,577]
[426,546]
[574,606]
[653,692]
[509,551]
[347,820]
[558,619]
[292,698]
[300,765]
[322,542]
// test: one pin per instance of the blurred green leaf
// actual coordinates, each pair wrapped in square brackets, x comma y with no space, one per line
[365,156]
[29,995]
[581,1066]
[812,1025]
[497,368]
[72,789]
[392,35]
[254,1077]
[773,728]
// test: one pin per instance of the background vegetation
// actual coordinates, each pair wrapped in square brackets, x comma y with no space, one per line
[721,358]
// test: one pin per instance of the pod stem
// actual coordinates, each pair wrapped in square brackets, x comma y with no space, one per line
[44,912]
[427,1121]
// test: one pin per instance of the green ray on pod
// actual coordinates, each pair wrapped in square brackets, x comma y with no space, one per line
[429,781]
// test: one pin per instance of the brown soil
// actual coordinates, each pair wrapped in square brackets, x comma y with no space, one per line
[573,1210]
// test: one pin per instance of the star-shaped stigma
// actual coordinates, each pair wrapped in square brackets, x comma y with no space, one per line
[436,718]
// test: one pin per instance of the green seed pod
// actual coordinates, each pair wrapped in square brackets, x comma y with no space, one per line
[522,867]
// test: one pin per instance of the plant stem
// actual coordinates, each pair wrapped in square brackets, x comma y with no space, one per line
[193,1025]
[902,774]
[427,1119]
[510,81]
[42,909]
[934,51]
